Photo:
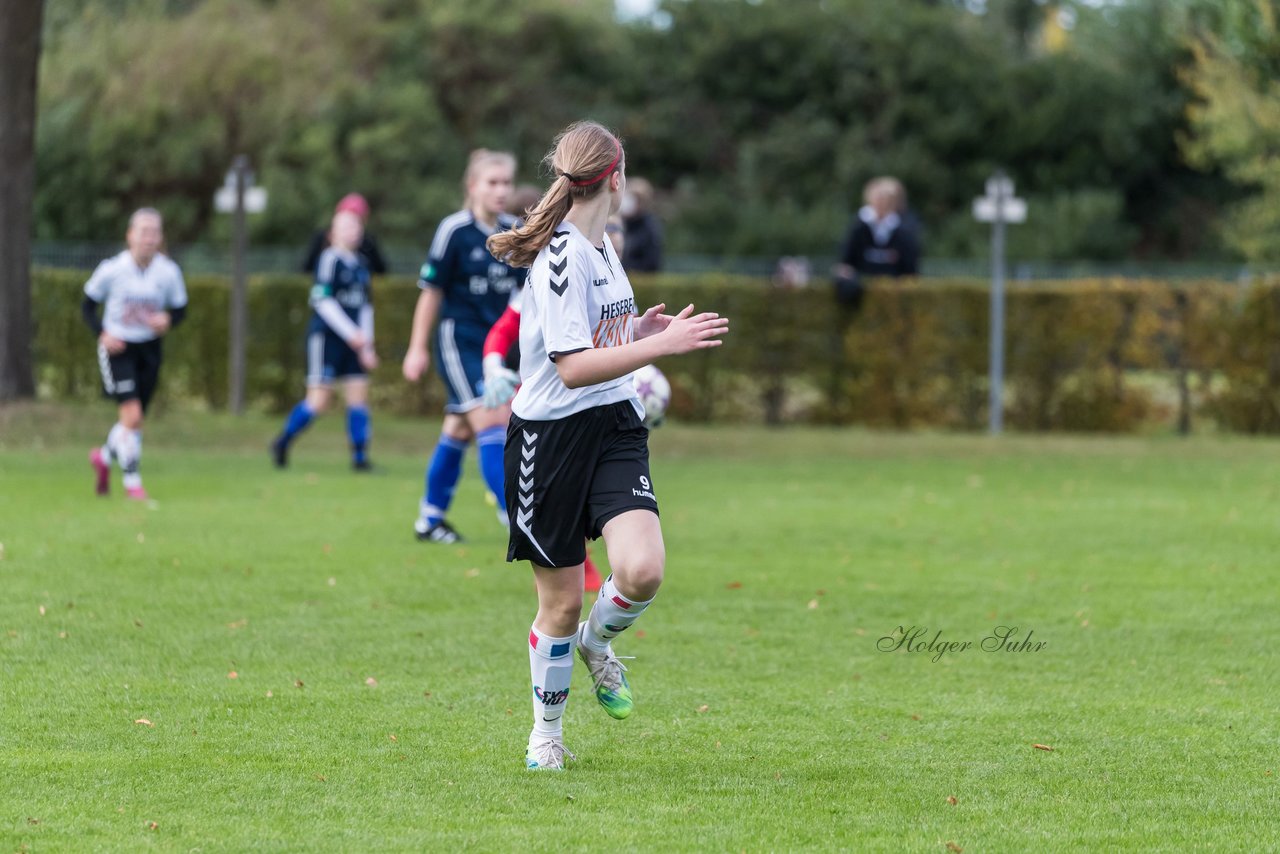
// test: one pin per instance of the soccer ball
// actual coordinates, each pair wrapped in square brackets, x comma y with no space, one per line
[654,392]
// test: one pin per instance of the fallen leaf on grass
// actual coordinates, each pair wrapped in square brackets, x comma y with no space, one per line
[951,846]
[641,633]
[704,707]
[822,593]
[734,585]
[333,582]
[42,610]
[951,799]
[233,675]
[915,717]
[238,624]
[472,572]
[270,695]
[371,682]
[813,604]
[1042,747]
[322,778]
[62,635]
[31,820]
[153,826]
[297,683]
[144,722]
[138,623]
[568,797]
[392,737]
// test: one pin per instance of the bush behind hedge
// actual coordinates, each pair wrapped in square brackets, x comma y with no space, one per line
[1096,355]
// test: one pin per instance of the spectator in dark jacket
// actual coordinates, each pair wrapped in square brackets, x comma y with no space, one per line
[368,251]
[883,240]
[643,242]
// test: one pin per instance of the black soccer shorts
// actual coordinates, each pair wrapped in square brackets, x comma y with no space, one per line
[566,478]
[133,373]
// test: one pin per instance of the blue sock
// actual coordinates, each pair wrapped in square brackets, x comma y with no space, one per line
[358,431]
[442,478]
[299,418]
[491,442]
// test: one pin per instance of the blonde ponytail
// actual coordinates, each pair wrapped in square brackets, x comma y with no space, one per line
[583,156]
[519,246]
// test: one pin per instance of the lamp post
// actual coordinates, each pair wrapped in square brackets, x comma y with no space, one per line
[238,197]
[999,207]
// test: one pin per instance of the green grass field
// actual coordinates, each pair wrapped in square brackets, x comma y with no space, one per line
[315,679]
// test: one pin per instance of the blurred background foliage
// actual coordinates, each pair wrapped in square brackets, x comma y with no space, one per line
[1137,129]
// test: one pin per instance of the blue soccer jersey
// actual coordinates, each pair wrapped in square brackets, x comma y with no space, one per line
[343,277]
[477,286]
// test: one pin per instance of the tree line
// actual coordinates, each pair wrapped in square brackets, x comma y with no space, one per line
[758,120]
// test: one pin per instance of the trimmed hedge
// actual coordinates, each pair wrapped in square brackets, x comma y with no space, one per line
[1091,355]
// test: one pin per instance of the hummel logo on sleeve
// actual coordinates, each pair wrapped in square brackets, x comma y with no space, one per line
[559,262]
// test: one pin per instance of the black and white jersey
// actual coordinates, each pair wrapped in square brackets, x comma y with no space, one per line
[576,298]
[131,295]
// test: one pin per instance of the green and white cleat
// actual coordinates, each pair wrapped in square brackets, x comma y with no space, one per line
[546,754]
[610,678]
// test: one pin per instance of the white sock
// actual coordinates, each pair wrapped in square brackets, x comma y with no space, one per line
[113,440]
[551,666]
[128,450]
[611,615]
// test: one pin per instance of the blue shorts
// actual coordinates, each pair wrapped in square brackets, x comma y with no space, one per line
[459,358]
[330,358]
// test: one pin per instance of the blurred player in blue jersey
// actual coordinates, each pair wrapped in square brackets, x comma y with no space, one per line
[339,342]
[464,292]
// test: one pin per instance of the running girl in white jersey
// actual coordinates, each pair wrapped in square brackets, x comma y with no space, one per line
[143,296]
[577,456]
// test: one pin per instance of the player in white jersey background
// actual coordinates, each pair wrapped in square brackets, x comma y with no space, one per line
[143,296]
[577,458]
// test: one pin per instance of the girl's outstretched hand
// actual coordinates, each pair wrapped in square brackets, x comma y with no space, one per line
[652,322]
[687,331]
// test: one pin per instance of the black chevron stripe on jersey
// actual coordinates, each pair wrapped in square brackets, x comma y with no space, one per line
[559,280]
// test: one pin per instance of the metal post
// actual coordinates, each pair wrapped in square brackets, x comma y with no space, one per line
[996,400]
[238,289]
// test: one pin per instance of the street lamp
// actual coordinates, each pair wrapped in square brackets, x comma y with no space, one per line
[238,197]
[998,207]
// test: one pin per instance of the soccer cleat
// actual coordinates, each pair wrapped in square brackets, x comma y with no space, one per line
[137,493]
[440,532]
[591,576]
[610,678]
[280,454]
[364,465]
[546,754]
[102,472]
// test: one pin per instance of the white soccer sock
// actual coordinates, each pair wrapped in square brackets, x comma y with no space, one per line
[611,615]
[129,453]
[113,441]
[551,666]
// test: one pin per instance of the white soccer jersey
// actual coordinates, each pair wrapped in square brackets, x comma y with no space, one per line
[576,297]
[132,295]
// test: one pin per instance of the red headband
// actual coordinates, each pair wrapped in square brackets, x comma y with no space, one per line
[602,175]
